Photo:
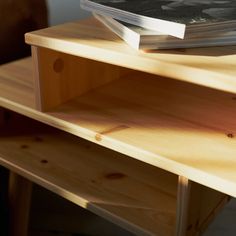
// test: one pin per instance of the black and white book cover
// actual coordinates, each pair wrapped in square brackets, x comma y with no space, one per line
[144,39]
[172,17]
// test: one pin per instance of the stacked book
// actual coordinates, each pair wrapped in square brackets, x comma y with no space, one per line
[168,24]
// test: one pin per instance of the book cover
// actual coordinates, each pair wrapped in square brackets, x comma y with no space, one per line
[145,39]
[171,17]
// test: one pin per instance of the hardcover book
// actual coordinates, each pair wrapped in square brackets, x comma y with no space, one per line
[173,17]
[140,38]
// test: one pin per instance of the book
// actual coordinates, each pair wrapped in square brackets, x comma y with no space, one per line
[172,17]
[140,38]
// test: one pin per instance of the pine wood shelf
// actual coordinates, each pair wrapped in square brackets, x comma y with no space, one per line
[105,182]
[22,153]
[172,131]
[162,133]
[213,67]
[186,130]
[17,86]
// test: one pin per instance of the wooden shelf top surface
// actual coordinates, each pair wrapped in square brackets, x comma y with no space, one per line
[16,82]
[213,67]
[122,190]
[186,129]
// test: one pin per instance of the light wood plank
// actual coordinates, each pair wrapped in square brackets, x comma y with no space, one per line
[132,194]
[183,196]
[185,129]
[213,67]
[60,77]
[135,83]
[16,83]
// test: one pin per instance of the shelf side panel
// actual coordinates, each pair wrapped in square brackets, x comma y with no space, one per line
[60,77]
[205,203]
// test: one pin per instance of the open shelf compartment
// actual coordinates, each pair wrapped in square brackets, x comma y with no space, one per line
[109,103]
[163,122]
[139,197]
[134,195]
[88,83]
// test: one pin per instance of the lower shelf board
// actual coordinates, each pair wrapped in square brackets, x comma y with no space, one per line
[139,197]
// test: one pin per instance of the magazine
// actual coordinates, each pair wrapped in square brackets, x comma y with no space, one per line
[173,17]
[140,38]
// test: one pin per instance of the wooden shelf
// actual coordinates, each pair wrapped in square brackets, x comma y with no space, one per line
[182,128]
[17,84]
[107,183]
[164,146]
[213,67]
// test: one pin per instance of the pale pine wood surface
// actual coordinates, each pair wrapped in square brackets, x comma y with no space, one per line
[185,129]
[60,77]
[182,128]
[16,83]
[132,194]
[213,67]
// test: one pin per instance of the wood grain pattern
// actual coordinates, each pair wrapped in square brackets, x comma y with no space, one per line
[112,109]
[132,194]
[213,67]
[16,83]
[180,127]
[61,77]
